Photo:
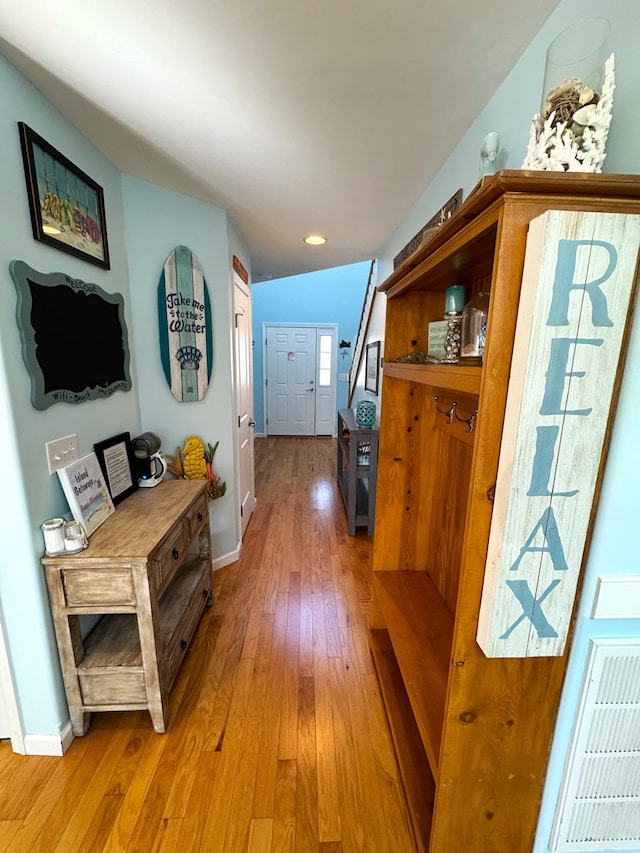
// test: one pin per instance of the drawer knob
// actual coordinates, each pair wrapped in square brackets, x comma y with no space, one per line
[175,553]
[200,516]
[183,644]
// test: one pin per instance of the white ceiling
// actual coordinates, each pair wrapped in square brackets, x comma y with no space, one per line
[295,116]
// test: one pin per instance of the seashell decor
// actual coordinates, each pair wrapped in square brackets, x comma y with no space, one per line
[570,133]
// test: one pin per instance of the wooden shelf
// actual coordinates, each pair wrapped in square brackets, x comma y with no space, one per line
[485,724]
[421,629]
[417,781]
[453,377]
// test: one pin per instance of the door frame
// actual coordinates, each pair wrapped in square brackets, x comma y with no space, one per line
[8,698]
[319,327]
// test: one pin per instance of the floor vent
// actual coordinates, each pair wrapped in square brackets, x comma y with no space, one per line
[599,804]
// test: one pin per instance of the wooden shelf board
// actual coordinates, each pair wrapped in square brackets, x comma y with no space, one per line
[450,376]
[417,780]
[421,630]
[115,640]
[518,182]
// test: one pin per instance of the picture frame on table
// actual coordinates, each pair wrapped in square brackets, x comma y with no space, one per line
[66,205]
[117,461]
[85,488]
[372,368]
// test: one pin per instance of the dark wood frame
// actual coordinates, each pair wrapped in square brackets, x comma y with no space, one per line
[88,226]
[102,447]
[371,382]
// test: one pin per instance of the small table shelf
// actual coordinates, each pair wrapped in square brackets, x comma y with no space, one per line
[357,466]
[147,574]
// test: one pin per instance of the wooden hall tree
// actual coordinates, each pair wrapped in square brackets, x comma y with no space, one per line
[472,732]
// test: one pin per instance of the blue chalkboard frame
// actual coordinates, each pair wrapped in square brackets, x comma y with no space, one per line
[74,337]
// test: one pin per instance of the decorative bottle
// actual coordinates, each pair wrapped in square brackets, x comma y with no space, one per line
[474,327]
[453,304]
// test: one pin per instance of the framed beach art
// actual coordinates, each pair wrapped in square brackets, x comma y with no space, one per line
[66,205]
[372,374]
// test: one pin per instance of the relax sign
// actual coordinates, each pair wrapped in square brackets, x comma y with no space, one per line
[577,286]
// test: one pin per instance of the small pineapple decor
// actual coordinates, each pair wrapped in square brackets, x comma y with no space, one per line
[194,461]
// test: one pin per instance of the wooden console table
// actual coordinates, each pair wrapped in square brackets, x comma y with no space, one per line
[147,572]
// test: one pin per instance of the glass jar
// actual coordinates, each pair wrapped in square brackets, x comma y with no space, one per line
[474,327]
[575,61]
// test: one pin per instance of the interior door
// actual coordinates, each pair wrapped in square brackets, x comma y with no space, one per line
[244,400]
[291,380]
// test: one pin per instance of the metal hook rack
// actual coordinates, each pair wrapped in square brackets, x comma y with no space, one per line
[452,413]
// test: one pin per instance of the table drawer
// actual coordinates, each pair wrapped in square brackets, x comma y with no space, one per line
[94,587]
[196,517]
[167,559]
[112,689]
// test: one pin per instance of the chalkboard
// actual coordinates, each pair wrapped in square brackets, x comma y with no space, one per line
[74,337]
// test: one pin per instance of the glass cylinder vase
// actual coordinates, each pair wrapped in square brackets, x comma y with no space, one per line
[574,69]
[474,327]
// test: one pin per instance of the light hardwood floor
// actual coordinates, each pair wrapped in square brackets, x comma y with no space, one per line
[277,739]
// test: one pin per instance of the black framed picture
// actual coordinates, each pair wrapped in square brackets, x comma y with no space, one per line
[372,367]
[66,205]
[117,461]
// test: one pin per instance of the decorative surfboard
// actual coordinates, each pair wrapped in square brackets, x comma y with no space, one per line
[186,334]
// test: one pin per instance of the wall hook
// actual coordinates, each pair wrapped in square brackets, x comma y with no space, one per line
[470,422]
[449,414]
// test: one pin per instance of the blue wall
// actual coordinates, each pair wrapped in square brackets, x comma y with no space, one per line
[328,296]
[144,223]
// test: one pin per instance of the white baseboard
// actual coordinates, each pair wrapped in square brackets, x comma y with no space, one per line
[49,744]
[617,597]
[226,559]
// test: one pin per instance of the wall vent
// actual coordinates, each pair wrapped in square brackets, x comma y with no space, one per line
[599,804]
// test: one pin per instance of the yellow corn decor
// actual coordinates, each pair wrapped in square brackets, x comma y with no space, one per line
[194,461]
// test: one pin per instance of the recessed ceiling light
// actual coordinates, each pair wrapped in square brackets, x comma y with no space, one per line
[315,239]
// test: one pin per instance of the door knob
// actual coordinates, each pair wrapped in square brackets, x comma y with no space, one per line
[252,423]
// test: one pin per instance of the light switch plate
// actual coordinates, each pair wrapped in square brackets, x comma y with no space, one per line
[61,451]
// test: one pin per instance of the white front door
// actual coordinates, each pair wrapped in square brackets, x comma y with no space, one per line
[244,400]
[291,377]
[301,379]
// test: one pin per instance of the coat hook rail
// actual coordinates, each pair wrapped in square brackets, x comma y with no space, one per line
[450,413]
[470,422]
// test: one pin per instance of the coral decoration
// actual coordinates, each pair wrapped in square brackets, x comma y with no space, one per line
[571,133]
[194,461]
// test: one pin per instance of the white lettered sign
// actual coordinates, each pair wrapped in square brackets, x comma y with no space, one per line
[577,286]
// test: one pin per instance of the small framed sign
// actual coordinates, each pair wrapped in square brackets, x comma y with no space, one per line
[86,492]
[117,461]
[436,339]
